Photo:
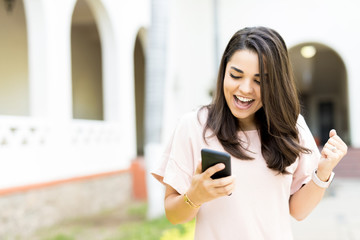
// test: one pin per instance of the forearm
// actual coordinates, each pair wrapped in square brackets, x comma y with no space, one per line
[177,210]
[305,200]
[203,189]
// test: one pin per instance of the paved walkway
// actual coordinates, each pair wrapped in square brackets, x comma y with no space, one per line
[337,217]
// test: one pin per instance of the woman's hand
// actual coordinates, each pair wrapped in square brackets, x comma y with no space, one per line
[203,188]
[334,150]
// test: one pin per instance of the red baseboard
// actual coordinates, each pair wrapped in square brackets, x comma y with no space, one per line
[29,187]
[139,178]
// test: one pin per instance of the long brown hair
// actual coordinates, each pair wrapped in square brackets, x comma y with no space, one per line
[276,120]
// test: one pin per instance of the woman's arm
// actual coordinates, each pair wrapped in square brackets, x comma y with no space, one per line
[203,189]
[176,209]
[305,200]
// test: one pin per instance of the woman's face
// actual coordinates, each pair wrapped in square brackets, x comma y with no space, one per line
[242,87]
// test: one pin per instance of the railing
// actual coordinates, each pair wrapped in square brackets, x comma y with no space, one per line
[87,132]
[22,132]
[39,150]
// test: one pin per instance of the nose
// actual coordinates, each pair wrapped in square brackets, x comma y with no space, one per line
[246,86]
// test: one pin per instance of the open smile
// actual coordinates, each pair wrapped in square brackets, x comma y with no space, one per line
[243,102]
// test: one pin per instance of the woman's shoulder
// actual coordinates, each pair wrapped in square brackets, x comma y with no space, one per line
[305,134]
[301,123]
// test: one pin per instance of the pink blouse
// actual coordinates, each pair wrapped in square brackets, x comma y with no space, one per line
[259,206]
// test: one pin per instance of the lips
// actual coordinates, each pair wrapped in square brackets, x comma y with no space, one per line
[242,102]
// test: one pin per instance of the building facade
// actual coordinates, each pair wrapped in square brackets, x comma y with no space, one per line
[67,108]
[73,73]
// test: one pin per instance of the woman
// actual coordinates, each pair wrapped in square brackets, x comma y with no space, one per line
[277,168]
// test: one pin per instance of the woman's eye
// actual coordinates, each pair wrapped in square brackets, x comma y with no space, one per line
[257,81]
[235,77]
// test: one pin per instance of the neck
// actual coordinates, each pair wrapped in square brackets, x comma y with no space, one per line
[247,124]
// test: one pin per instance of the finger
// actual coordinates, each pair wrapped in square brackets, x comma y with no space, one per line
[326,145]
[221,182]
[330,146]
[339,145]
[336,138]
[331,155]
[333,142]
[325,150]
[211,170]
[198,169]
[226,190]
[332,133]
[339,140]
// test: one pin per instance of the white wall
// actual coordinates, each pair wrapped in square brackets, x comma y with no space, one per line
[332,23]
[191,68]
[73,148]
[328,22]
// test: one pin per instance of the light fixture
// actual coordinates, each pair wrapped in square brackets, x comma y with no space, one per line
[308,51]
[9,5]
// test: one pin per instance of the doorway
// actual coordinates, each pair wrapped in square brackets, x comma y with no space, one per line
[326,120]
[321,79]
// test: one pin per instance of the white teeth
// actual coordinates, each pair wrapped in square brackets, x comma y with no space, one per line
[244,99]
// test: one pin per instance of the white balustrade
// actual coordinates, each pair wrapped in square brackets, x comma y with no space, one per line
[39,150]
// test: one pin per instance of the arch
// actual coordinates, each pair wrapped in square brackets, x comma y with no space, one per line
[322,83]
[87,89]
[14,73]
[109,59]
[110,90]
[139,82]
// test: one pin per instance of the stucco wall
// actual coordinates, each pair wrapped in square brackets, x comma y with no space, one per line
[24,212]
[330,23]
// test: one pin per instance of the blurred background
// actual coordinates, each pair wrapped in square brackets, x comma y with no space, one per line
[91,90]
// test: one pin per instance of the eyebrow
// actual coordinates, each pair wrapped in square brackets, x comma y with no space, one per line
[241,71]
[238,70]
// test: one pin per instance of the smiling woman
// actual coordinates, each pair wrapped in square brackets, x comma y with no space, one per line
[254,117]
[258,59]
[242,87]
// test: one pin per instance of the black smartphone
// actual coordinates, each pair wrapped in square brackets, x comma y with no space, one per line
[210,158]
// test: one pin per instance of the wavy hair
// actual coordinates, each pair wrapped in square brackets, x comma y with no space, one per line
[276,120]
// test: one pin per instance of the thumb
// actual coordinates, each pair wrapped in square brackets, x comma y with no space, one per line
[332,133]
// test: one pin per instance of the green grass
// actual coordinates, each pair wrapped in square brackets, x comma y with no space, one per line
[61,237]
[155,229]
[118,225]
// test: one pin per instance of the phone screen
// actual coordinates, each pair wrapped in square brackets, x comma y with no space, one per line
[211,157]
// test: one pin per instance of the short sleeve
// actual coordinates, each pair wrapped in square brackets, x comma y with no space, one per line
[307,162]
[177,165]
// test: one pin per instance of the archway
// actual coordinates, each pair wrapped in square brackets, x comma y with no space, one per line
[139,76]
[87,83]
[321,79]
[14,76]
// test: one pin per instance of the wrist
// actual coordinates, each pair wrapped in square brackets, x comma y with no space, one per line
[323,175]
[322,183]
[188,200]
[193,194]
